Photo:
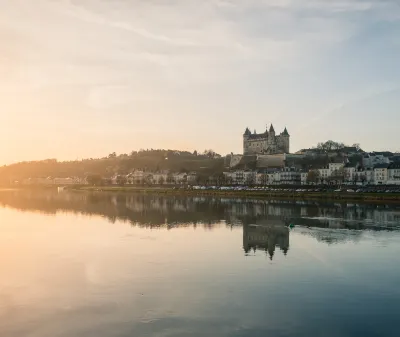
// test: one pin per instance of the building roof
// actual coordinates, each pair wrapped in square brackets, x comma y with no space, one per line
[337,161]
[271,128]
[257,136]
[350,149]
[271,161]
[382,153]
[247,132]
[381,166]
[393,166]
[247,162]
[285,132]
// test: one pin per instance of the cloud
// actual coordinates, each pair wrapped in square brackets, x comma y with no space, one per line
[192,36]
[290,59]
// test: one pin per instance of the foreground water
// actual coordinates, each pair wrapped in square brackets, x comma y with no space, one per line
[128,265]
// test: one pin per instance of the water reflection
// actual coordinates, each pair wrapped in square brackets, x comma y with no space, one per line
[264,222]
[265,238]
[155,210]
[70,275]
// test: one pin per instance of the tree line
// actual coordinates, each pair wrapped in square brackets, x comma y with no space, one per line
[207,162]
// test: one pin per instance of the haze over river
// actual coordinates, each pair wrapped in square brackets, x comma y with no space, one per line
[106,264]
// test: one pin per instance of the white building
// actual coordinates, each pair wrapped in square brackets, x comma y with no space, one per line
[381,174]
[350,173]
[135,177]
[375,158]
[249,177]
[335,167]
[236,177]
[54,181]
[159,178]
[38,181]
[191,178]
[289,176]
[66,181]
[369,175]
[271,178]
[303,178]
[180,178]
[326,172]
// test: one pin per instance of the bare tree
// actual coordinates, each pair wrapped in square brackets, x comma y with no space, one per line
[228,180]
[250,180]
[313,176]
[337,176]
[330,145]
[264,179]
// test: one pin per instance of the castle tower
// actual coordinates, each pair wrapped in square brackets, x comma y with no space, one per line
[246,136]
[286,140]
[272,133]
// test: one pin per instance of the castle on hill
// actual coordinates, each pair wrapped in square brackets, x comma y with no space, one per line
[266,143]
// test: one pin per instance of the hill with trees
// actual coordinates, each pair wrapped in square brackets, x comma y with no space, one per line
[208,163]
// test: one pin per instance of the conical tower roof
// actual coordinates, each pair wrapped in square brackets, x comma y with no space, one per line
[285,132]
[271,129]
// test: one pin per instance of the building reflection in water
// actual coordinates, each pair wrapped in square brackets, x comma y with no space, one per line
[264,221]
[265,238]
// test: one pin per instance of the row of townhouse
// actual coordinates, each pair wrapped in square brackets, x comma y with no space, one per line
[54,181]
[387,174]
[286,175]
[381,174]
[139,177]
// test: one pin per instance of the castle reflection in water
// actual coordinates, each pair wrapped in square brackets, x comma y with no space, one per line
[265,238]
[264,222]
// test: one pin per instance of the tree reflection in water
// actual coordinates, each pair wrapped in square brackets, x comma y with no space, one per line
[265,222]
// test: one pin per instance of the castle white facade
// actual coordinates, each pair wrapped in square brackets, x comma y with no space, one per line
[266,143]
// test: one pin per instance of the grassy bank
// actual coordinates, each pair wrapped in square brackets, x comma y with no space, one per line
[328,196]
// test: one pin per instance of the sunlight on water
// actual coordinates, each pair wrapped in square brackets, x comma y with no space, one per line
[130,265]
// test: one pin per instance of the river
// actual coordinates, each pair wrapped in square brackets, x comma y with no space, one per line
[103,264]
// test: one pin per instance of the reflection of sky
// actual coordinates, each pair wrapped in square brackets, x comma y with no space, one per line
[67,275]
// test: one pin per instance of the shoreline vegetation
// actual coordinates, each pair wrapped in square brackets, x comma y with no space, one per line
[268,194]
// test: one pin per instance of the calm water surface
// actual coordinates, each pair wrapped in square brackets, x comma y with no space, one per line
[106,265]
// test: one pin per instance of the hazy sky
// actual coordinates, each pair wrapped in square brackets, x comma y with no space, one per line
[83,78]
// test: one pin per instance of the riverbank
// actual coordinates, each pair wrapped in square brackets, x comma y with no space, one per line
[290,195]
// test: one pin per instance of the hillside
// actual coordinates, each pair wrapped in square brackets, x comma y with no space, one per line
[150,160]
